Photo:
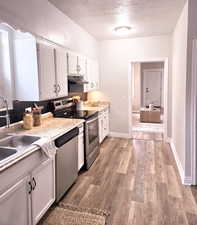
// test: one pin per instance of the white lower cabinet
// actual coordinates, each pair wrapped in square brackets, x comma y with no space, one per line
[80,148]
[103,124]
[15,204]
[101,137]
[43,189]
[25,201]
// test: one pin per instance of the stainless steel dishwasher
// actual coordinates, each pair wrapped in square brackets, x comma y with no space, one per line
[66,161]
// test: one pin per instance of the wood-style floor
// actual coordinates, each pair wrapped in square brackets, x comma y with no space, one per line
[137,181]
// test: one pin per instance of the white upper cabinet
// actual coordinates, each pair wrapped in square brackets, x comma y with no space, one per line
[93,74]
[40,69]
[76,64]
[72,60]
[61,72]
[46,71]
[82,65]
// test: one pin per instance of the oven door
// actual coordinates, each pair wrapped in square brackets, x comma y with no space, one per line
[92,134]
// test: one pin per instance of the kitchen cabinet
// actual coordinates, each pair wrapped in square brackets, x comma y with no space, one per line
[82,65]
[46,71]
[40,69]
[76,64]
[92,74]
[43,189]
[106,122]
[15,204]
[103,124]
[25,200]
[72,62]
[61,72]
[80,148]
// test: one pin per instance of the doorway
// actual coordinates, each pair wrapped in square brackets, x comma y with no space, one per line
[149,96]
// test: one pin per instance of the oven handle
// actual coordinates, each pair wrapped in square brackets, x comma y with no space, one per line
[90,121]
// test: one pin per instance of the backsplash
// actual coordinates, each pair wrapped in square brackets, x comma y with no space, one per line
[16,114]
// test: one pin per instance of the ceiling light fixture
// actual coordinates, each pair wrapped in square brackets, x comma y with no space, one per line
[122,30]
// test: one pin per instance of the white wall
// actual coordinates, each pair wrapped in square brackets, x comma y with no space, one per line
[43,19]
[179,73]
[115,58]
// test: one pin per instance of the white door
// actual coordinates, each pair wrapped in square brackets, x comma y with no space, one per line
[43,194]
[72,63]
[46,66]
[152,87]
[61,73]
[15,204]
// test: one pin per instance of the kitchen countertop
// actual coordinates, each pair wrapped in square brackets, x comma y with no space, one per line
[51,128]
[96,106]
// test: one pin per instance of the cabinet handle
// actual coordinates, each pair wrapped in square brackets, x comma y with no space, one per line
[59,88]
[55,88]
[30,187]
[34,181]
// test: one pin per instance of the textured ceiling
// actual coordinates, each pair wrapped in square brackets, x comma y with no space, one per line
[99,17]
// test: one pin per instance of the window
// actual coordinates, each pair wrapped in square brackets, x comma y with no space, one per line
[6,83]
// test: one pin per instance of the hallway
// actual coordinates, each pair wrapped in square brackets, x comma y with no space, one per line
[137,182]
[145,127]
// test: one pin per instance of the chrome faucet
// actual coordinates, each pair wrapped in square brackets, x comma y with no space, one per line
[6,116]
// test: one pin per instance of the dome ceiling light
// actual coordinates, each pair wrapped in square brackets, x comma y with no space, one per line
[123,30]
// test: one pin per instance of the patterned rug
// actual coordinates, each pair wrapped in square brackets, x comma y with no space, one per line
[66,214]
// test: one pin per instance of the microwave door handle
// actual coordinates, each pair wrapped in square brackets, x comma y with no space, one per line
[90,121]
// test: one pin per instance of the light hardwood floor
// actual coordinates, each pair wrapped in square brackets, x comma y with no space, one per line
[137,182]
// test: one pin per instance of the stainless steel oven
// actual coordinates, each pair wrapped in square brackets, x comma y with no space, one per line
[91,139]
[66,108]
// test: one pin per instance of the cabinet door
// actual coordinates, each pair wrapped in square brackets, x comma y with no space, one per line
[82,65]
[96,74]
[15,204]
[90,73]
[43,194]
[80,151]
[72,63]
[106,122]
[61,72]
[46,67]
[101,137]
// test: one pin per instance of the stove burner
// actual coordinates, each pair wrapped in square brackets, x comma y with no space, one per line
[77,114]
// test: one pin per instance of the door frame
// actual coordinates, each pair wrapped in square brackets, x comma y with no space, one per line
[166,91]
[191,129]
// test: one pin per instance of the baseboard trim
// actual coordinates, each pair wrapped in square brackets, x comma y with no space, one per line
[178,162]
[119,135]
[168,140]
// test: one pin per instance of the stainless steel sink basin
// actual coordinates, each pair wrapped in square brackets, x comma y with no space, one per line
[6,152]
[19,142]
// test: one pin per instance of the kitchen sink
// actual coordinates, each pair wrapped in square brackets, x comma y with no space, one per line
[6,152]
[20,142]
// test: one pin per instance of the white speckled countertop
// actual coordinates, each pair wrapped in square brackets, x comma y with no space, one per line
[98,106]
[51,128]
